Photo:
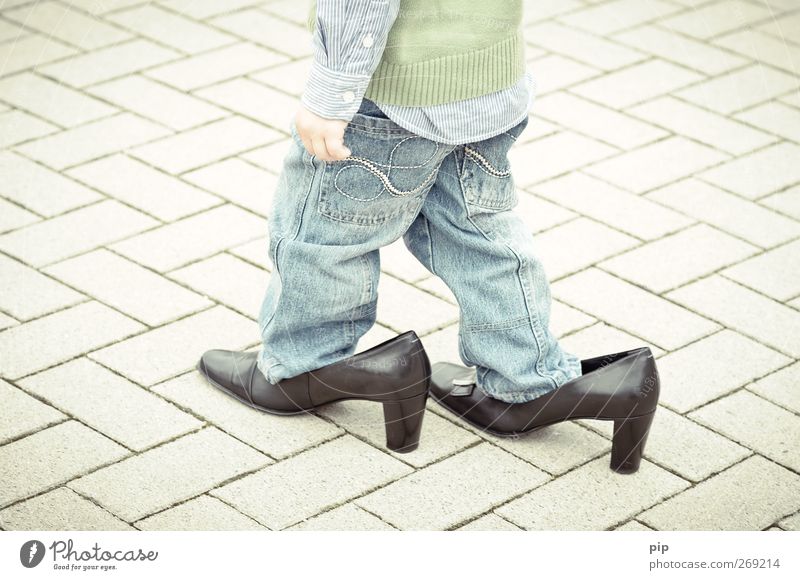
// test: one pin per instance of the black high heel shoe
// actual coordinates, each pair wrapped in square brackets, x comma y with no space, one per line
[623,387]
[396,373]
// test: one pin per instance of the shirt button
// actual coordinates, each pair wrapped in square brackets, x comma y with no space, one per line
[368,41]
[348,96]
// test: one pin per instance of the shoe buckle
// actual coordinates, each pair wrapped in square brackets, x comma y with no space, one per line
[462,387]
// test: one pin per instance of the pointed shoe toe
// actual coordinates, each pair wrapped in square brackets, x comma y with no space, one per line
[623,387]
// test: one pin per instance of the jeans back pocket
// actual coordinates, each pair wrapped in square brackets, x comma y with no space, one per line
[388,174]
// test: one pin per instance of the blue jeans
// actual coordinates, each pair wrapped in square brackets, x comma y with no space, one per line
[452,205]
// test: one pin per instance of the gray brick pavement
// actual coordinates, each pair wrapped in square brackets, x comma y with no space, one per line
[140,145]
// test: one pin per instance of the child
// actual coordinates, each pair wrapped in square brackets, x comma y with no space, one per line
[404,129]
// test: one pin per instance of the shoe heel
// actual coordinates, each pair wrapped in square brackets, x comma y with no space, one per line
[403,421]
[627,445]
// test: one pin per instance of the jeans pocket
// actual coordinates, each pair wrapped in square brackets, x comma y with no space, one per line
[387,175]
[486,174]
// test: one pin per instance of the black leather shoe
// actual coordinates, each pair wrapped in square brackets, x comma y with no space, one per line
[623,387]
[396,373]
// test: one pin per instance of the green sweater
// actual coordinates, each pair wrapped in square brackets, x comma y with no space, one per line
[440,51]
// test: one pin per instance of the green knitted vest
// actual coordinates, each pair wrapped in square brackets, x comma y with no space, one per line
[440,51]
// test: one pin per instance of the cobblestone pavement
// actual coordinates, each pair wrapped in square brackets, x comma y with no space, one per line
[140,143]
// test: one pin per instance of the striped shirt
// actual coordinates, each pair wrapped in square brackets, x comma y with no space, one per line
[349,40]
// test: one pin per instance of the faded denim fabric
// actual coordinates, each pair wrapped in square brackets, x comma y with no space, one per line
[452,206]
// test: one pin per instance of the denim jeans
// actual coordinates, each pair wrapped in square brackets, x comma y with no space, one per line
[452,204]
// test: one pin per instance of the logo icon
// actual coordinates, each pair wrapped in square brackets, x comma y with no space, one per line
[31,553]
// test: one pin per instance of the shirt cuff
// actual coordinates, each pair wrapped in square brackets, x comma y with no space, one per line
[333,94]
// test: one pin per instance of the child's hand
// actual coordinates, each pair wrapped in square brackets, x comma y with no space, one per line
[321,137]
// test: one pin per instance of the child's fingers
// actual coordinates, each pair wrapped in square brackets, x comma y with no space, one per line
[337,148]
[320,150]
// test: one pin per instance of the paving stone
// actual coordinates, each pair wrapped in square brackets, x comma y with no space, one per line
[57,337]
[584,47]
[364,419]
[784,27]
[289,78]
[562,504]
[633,526]
[158,102]
[554,72]
[6,322]
[17,127]
[67,24]
[739,89]
[446,493]
[780,387]
[107,63]
[12,216]
[717,18]
[551,161]
[577,244]
[442,345]
[294,489]
[267,30]
[98,7]
[710,128]
[756,423]
[171,29]
[775,273]
[759,173]
[26,294]
[175,348]
[26,414]
[762,48]
[787,202]
[203,513]
[51,457]
[489,523]
[144,188]
[110,404]
[375,336]
[600,339]
[776,118]
[227,280]
[74,233]
[271,156]
[398,261]
[731,213]
[791,523]
[656,164]
[238,181]
[31,52]
[713,367]
[247,98]
[628,212]
[39,189]
[143,484]
[556,449]
[215,66]
[203,145]
[637,83]
[540,214]
[680,49]
[596,121]
[748,496]
[609,17]
[202,9]
[9,31]
[348,517]
[60,510]
[620,304]
[93,140]
[191,238]
[429,312]
[128,287]
[676,259]
[277,436]
[566,319]
[742,309]
[255,251]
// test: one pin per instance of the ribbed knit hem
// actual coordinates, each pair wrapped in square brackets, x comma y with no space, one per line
[450,78]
